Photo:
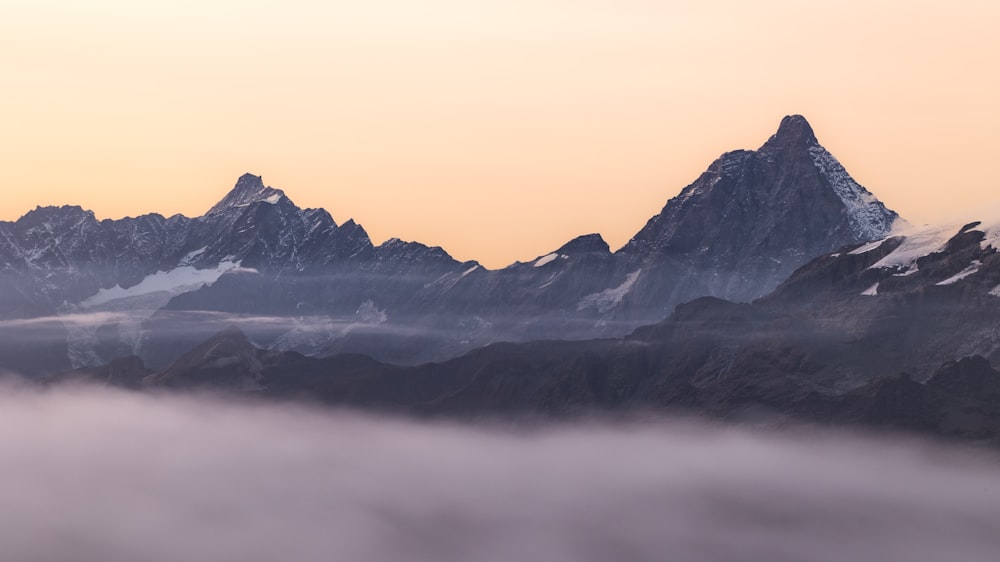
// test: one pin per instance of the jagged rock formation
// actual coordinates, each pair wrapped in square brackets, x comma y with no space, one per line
[750,220]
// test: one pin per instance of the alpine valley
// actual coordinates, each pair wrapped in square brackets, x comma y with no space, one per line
[774,286]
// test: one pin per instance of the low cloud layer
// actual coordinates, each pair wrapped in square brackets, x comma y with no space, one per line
[92,474]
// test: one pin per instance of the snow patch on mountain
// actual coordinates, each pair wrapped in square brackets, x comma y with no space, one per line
[546,259]
[550,280]
[870,291]
[609,298]
[917,243]
[132,306]
[971,269]
[866,248]
[192,255]
[920,241]
[990,227]
[867,216]
[174,282]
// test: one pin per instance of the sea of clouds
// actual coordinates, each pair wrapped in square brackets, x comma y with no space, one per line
[103,475]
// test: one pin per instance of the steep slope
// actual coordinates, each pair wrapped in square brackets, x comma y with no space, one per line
[750,220]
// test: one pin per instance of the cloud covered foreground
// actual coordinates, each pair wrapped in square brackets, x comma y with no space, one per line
[103,475]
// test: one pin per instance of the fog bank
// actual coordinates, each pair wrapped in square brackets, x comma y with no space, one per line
[92,474]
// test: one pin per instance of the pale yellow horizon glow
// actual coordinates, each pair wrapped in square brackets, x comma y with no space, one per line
[496,129]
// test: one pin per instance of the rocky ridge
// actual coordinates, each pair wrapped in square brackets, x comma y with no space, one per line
[294,279]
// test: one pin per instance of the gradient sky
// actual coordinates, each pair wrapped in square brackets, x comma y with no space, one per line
[496,129]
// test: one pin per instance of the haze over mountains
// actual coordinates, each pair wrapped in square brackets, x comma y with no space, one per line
[773,287]
[293,279]
[899,333]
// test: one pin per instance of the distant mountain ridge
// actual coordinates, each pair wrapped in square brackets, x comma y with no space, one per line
[895,334]
[294,279]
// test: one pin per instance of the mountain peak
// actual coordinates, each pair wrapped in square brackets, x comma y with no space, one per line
[763,214]
[793,130]
[249,189]
[585,244]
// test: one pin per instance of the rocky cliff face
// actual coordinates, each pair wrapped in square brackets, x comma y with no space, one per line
[750,220]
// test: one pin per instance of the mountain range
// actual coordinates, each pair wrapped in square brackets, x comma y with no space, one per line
[77,292]
[773,288]
[899,334]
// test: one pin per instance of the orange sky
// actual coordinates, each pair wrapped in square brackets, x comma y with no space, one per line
[497,129]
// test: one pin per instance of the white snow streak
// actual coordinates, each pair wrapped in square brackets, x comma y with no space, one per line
[920,241]
[917,243]
[546,259]
[972,268]
[866,248]
[176,281]
[869,219]
[609,298]
[187,259]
